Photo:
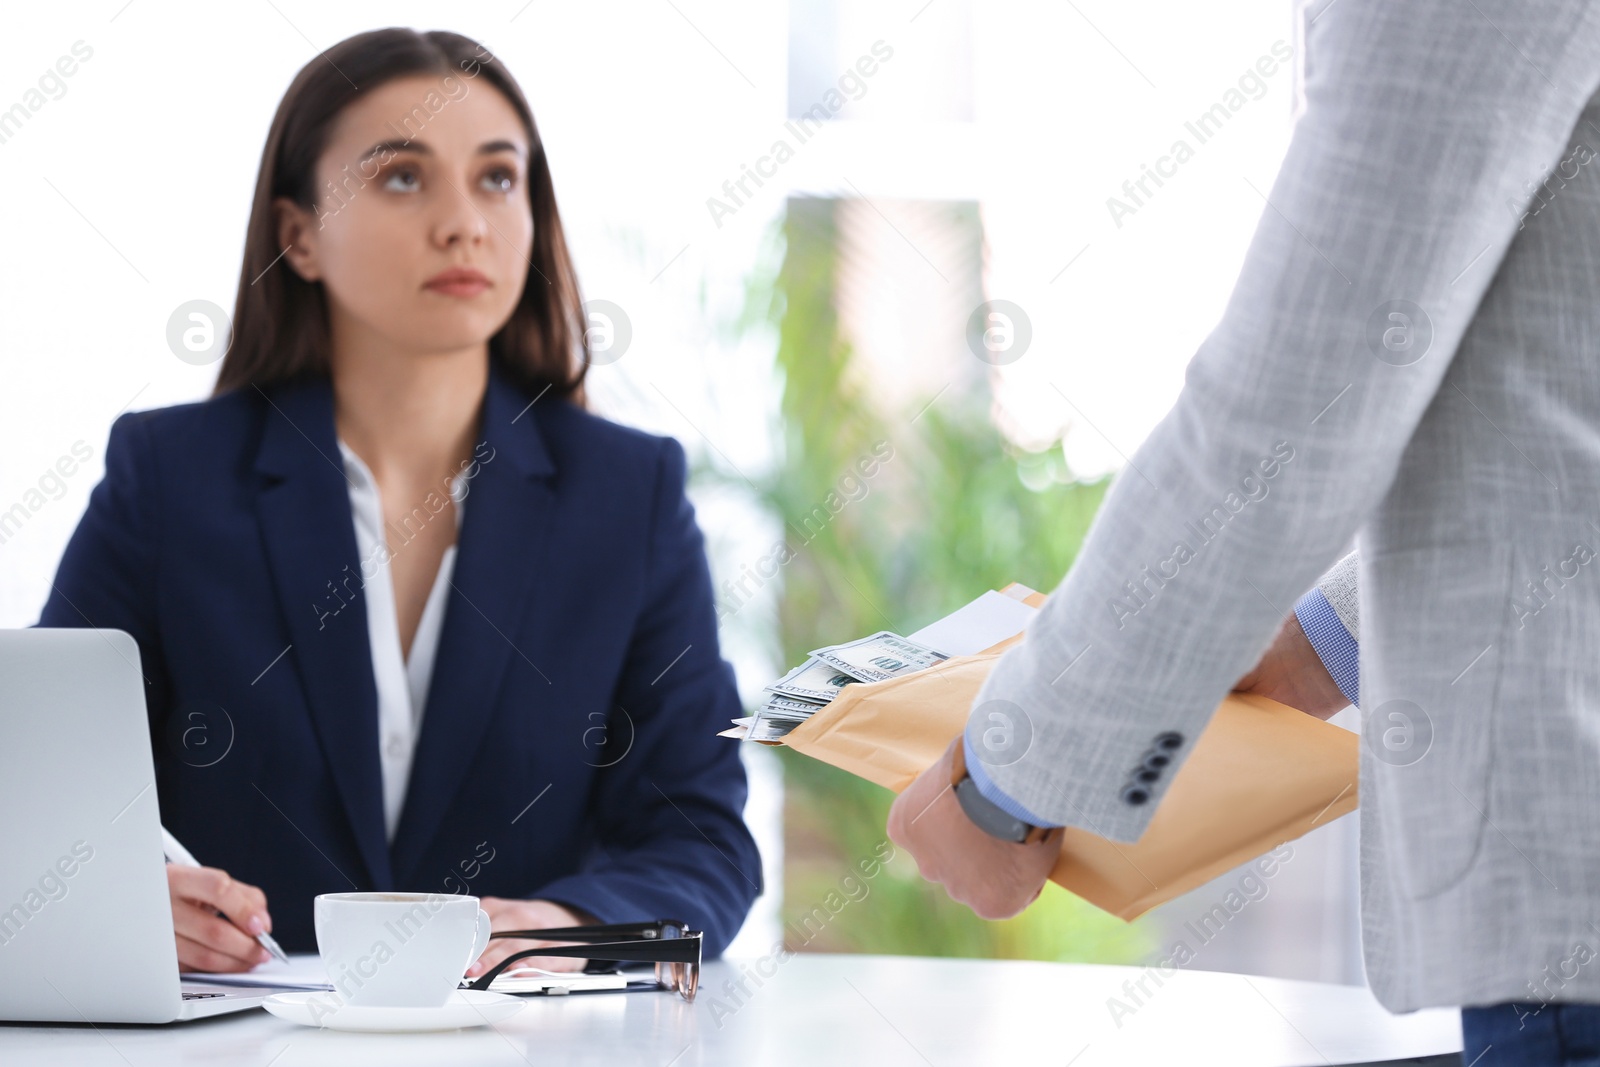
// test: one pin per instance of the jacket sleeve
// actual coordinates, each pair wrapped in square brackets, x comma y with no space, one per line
[107,575]
[1386,224]
[1329,614]
[668,811]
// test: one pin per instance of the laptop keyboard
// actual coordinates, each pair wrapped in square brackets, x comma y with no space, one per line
[202,996]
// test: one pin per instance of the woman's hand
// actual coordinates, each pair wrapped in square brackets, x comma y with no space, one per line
[526,915]
[206,941]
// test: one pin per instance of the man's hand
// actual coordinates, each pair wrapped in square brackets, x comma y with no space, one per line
[206,941]
[1292,673]
[995,878]
[526,915]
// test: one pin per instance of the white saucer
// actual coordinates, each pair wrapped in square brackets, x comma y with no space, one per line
[466,1007]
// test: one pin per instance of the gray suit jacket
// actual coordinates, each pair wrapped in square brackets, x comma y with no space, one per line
[1411,354]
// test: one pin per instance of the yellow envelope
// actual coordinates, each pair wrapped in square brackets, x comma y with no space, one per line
[1262,773]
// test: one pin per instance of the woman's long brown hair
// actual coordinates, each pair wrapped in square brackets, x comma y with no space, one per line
[280,321]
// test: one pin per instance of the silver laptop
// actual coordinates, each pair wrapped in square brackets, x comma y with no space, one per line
[85,922]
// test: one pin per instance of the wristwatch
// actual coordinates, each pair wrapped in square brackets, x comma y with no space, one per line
[986,814]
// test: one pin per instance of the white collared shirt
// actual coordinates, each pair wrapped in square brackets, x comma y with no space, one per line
[402,683]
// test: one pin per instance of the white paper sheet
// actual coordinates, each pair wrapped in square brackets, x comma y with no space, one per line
[991,618]
[303,971]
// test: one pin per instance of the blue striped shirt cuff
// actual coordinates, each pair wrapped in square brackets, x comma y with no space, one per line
[1338,651]
[991,792]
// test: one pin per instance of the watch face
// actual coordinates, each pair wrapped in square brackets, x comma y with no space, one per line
[988,817]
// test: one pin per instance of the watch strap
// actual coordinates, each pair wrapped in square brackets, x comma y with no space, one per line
[985,813]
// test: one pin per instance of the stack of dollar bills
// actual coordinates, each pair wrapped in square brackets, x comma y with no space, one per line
[797,696]
[973,628]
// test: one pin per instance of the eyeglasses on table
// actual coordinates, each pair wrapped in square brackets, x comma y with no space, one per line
[667,943]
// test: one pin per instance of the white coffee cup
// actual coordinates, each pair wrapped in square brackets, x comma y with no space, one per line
[398,950]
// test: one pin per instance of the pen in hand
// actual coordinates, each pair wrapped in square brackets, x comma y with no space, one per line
[176,853]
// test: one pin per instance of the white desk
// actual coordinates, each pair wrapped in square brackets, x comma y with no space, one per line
[824,1010]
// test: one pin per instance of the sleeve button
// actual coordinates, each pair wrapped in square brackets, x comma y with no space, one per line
[1169,740]
[1135,794]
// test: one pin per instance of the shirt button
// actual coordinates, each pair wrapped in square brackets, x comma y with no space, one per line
[396,747]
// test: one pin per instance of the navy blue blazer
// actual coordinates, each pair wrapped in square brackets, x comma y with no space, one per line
[568,746]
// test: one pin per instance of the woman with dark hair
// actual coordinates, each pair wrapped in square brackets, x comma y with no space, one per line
[409,616]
